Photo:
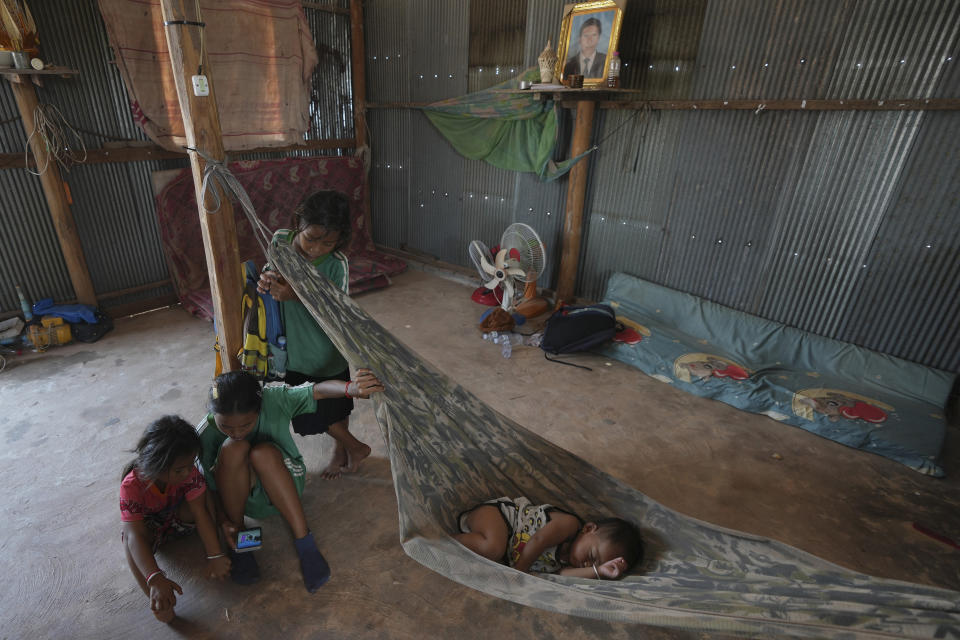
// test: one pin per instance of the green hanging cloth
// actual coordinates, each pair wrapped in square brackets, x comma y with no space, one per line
[512,131]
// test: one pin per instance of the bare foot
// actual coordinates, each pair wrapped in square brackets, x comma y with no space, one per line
[334,469]
[164,615]
[355,456]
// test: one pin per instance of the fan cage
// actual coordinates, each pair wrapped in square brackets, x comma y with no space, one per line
[522,238]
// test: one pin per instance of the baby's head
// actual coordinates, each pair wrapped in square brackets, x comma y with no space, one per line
[602,541]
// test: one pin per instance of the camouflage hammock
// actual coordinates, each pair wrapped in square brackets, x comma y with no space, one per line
[449,451]
[512,131]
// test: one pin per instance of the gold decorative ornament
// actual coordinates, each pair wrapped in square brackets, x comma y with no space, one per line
[548,63]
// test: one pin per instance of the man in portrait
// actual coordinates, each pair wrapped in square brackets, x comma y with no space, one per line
[587,62]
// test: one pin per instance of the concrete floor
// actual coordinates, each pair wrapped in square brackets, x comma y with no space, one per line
[71,415]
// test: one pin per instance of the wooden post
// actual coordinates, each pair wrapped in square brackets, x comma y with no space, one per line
[52,184]
[358,61]
[576,192]
[201,123]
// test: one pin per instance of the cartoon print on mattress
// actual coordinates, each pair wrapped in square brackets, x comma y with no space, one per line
[632,333]
[836,404]
[703,366]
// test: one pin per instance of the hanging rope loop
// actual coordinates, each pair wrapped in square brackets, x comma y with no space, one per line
[216,172]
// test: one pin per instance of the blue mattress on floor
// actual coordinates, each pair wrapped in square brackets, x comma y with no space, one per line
[860,398]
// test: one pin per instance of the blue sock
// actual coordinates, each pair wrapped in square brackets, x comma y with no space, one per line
[243,568]
[315,569]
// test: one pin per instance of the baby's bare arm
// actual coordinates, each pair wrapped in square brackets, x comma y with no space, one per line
[560,527]
[610,570]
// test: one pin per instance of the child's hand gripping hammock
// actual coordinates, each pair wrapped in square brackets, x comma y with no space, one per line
[449,451]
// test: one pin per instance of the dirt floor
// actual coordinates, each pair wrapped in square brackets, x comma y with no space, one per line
[71,415]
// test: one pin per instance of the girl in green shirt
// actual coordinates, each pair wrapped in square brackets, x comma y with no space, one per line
[321,230]
[250,460]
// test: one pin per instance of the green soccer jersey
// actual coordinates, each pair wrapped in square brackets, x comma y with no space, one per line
[279,406]
[309,350]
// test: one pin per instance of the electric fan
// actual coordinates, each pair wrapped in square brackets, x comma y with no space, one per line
[520,260]
[497,274]
[525,251]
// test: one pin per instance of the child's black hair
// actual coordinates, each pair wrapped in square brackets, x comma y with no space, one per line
[624,536]
[161,444]
[327,209]
[235,392]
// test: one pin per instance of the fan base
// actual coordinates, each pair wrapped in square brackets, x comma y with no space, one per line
[532,307]
[482,295]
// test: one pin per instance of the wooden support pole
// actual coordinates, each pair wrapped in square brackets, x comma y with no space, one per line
[53,190]
[358,62]
[576,192]
[201,123]
[359,72]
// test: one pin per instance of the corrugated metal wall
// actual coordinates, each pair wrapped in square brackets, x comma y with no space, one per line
[843,223]
[113,204]
[426,197]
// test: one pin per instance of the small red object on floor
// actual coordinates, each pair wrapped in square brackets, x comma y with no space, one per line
[491,298]
[628,336]
[936,536]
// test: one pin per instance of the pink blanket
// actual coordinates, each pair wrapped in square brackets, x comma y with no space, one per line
[261,57]
[275,187]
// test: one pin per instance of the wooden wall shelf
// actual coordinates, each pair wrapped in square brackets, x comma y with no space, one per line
[21,75]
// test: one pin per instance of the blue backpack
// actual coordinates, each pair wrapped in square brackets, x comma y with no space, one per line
[261,354]
[271,307]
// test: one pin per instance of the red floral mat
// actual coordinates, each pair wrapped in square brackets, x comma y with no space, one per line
[275,187]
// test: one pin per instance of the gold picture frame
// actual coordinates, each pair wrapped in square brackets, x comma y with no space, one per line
[588,24]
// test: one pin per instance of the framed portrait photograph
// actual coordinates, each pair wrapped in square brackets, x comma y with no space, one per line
[588,35]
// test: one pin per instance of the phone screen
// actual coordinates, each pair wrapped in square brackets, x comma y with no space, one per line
[248,539]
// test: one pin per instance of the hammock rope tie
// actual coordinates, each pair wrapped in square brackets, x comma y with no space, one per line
[216,173]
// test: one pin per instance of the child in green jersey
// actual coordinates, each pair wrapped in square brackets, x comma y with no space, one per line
[321,230]
[250,460]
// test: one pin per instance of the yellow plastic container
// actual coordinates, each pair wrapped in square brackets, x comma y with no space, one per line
[38,336]
[51,321]
[63,334]
[52,331]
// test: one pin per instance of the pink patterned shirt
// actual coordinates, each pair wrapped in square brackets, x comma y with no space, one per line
[139,497]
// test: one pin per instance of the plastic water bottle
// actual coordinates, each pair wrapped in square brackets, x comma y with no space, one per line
[24,305]
[613,77]
[506,348]
[280,358]
[534,339]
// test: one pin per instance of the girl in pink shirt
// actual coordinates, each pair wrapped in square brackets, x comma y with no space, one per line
[163,495]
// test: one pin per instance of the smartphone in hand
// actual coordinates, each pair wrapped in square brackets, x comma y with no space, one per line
[249,539]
